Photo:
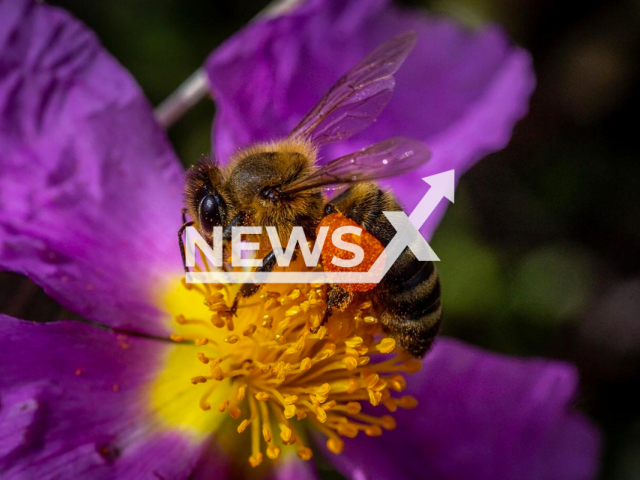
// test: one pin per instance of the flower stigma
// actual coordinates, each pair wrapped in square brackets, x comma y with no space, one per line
[280,371]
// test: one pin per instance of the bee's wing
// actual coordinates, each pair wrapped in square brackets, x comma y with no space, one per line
[356,100]
[385,159]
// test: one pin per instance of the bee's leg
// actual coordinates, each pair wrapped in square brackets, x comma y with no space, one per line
[249,289]
[184,215]
[236,221]
[337,299]
[181,243]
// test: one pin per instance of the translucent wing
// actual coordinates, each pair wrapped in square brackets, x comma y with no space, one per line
[385,159]
[359,96]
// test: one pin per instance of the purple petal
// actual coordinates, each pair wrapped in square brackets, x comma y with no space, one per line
[90,190]
[460,91]
[74,403]
[481,416]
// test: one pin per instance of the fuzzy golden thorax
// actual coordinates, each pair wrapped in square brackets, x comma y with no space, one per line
[255,177]
[252,183]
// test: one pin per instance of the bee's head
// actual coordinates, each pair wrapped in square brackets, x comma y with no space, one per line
[205,200]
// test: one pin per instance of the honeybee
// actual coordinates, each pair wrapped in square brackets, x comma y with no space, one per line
[281,184]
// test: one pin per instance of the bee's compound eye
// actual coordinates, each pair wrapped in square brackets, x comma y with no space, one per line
[209,212]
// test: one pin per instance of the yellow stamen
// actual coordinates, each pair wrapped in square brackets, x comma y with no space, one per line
[287,372]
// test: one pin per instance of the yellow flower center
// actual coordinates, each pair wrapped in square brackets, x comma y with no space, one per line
[286,372]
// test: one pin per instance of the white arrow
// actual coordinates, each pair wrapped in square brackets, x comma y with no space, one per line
[442,185]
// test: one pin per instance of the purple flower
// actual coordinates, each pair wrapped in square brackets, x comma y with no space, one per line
[89,208]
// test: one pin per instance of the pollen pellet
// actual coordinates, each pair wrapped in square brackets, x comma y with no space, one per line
[370,245]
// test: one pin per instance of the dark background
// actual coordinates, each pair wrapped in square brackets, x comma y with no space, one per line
[542,248]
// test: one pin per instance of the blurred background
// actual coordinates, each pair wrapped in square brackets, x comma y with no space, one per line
[542,247]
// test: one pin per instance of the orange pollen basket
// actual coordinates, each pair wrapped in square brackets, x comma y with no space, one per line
[370,244]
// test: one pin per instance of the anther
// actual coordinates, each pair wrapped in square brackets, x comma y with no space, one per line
[408,402]
[262,396]
[289,411]
[335,445]
[273,452]
[386,345]
[305,453]
[285,434]
[373,431]
[388,422]
[255,460]
[243,425]
[350,363]
[354,408]
[267,321]
[241,392]
[250,330]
